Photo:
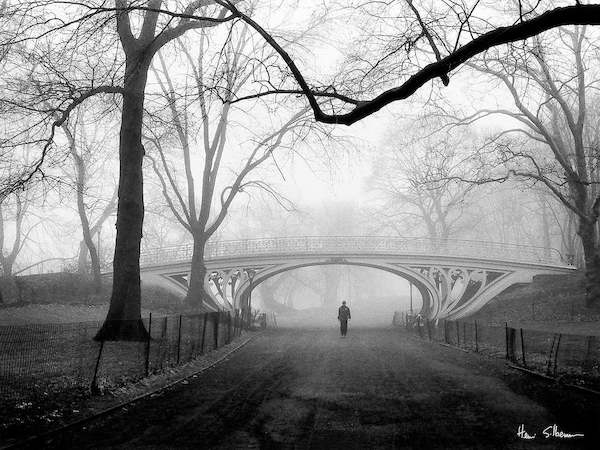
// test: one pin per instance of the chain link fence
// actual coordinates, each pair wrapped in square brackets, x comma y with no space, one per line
[40,361]
[573,358]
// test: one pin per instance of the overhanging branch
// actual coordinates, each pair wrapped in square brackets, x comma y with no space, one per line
[569,15]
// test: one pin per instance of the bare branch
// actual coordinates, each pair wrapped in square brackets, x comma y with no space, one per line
[568,15]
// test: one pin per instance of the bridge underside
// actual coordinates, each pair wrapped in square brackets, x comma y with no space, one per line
[451,288]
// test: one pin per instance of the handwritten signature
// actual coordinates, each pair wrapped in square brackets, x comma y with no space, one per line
[551,431]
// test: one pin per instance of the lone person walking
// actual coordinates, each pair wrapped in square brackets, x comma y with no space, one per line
[343,317]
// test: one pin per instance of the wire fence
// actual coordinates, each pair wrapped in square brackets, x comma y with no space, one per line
[41,361]
[572,358]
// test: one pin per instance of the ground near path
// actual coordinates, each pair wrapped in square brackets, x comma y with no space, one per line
[376,388]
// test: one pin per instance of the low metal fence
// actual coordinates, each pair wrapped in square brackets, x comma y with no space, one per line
[572,358]
[40,361]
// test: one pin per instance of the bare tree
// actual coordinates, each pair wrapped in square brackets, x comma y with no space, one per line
[570,244]
[193,204]
[469,37]
[123,318]
[85,151]
[419,188]
[78,56]
[157,27]
[13,209]
[557,143]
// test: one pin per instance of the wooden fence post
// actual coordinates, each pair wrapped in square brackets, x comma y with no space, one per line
[457,333]
[523,348]
[204,323]
[510,342]
[216,328]
[588,361]
[446,339]
[556,354]
[147,365]
[164,338]
[179,341]
[549,361]
[94,386]
[228,327]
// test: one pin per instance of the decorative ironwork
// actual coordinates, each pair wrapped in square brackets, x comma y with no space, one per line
[356,245]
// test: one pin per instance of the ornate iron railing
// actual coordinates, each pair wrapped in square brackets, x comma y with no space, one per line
[356,245]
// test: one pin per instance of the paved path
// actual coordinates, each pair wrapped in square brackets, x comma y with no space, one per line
[374,389]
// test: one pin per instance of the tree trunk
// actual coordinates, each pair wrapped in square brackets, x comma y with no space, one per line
[88,239]
[587,232]
[6,259]
[571,241]
[82,258]
[197,297]
[546,238]
[123,321]
[7,266]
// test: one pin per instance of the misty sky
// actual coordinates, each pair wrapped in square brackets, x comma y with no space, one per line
[308,180]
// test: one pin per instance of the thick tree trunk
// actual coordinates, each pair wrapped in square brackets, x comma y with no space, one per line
[197,297]
[123,321]
[589,240]
[7,266]
[571,241]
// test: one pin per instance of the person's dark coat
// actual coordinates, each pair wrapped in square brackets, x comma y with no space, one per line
[344,313]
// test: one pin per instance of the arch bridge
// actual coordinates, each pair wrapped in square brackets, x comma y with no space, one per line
[454,277]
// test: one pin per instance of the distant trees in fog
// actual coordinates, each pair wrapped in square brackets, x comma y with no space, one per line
[57,58]
[13,210]
[417,176]
[552,83]
[452,34]
[90,163]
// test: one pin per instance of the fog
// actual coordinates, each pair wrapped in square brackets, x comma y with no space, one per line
[311,296]
[477,159]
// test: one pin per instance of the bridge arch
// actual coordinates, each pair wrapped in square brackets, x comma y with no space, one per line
[428,291]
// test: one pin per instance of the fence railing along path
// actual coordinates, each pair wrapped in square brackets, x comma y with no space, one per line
[356,245]
[572,357]
[39,361]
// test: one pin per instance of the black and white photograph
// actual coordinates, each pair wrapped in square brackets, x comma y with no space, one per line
[285,224]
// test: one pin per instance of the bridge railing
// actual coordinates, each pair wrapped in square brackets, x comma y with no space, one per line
[355,245]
